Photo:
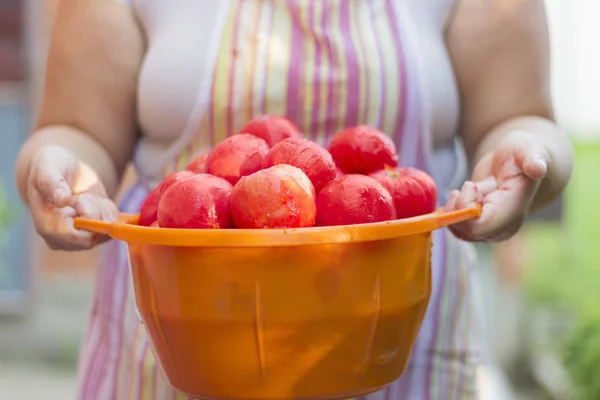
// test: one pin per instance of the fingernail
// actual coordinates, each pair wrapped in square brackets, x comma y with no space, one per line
[537,167]
[539,157]
[542,161]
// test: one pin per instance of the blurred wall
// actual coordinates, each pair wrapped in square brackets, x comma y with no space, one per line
[575,32]
[15,277]
[61,284]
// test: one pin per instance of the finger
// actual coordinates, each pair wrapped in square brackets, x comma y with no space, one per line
[51,176]
[59,245]
[468,197]
[66,234]
[56,227]
[475,230]
[95,207]
[109,212]
[503,211]
[535,165]
[53,188]
[487,186]
[531,158]
[471,190]
[86,206]
[108,209]
[451,203]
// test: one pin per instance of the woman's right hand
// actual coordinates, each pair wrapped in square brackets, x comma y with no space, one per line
[60,188]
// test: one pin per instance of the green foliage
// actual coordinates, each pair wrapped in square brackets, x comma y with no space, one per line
[582,357]
[545,271]
[5,214]
[565,260]
[564,270]
[6,218]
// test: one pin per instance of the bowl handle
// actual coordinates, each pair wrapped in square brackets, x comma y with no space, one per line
[454,217]
[97,226]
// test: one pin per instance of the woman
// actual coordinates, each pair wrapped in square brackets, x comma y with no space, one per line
[157,82]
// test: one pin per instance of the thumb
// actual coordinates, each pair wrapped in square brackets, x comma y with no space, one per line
[535,165]
[531,157]
[53,171]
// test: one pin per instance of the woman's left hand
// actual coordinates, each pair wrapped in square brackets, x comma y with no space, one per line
[505,181]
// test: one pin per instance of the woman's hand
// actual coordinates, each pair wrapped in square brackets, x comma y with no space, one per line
[60,188]
[500,54]
[505,181]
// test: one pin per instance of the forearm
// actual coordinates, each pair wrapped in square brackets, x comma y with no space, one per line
[553,140]
[82,146]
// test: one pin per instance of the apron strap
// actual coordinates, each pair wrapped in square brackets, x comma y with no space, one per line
[134,197]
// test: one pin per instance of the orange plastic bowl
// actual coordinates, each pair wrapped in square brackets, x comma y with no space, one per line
[312,313]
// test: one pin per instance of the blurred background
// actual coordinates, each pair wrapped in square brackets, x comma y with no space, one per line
[541,287]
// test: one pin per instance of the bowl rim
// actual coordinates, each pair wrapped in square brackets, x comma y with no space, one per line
[126,228]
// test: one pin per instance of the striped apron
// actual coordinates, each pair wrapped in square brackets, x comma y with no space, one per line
[325,65]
